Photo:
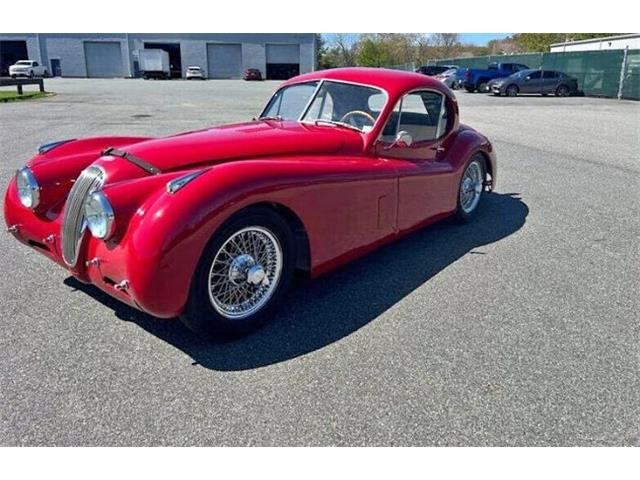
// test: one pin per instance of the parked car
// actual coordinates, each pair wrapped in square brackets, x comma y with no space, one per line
[433,70]
[27,68]
[211,225]
[477,80]
[535,81]
[252,74]
[448,77]
[194,72]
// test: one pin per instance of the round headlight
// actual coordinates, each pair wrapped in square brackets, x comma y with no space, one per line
[28,188]
[99,215]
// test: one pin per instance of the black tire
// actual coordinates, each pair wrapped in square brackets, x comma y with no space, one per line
[497,94]
[31,74]
[463,216]
[14,76]
[45,74]
[512,91]
[200,315]
[562,91]
[470,89]
[482,86]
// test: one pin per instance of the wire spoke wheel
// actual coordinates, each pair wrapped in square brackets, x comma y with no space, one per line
[245,272]
[471,187]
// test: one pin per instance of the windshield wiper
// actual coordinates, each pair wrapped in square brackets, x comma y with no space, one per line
[277,118]
[337,124]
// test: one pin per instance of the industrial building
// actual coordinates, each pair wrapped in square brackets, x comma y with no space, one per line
[111,55]
[629,41]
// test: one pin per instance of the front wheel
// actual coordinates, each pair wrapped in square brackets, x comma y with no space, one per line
[512,91]
[242,275]
[471,188]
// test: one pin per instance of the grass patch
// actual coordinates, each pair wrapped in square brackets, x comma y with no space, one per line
[12,96]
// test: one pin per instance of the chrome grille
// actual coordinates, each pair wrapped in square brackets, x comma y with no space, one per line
[90,180]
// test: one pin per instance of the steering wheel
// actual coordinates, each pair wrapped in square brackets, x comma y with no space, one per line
[358,112]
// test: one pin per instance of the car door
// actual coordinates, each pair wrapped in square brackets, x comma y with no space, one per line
[532,83]
[424,174]
[550,80]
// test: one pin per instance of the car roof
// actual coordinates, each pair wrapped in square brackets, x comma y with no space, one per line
[395,82]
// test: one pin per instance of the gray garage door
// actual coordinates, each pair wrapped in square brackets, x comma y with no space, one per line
[104,59]
[283,53]
[224,60]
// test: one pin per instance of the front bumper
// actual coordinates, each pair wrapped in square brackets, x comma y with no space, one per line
[113,268]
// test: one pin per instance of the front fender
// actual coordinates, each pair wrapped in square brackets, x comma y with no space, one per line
[170,231]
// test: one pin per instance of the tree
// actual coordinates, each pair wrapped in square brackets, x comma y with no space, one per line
[373,51]
[321,49]
[447,45]
[341,52]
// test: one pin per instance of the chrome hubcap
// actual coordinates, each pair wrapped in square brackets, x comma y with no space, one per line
[245,272]
[471,187]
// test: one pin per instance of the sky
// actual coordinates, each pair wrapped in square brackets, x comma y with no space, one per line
[480,39]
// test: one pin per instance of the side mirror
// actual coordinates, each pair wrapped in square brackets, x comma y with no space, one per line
[403,139]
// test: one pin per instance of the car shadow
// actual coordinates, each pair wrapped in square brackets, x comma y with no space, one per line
[320,312]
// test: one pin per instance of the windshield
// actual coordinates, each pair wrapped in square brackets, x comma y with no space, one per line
[521,73]
[23,62]
[346,104]
[331,102]
[289,102]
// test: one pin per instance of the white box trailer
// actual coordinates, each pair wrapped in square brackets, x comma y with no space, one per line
[154,63]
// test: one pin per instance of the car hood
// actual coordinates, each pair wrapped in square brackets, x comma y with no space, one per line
[242,141]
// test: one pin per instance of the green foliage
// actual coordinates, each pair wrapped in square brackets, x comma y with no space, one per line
[373,51]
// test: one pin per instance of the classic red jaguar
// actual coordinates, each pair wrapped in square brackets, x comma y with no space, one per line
[211,225]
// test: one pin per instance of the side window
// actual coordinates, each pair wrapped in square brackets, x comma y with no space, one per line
[534,75]
[35,64]
[422,116]
[550,74]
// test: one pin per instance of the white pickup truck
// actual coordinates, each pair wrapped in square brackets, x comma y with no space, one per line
[27,68]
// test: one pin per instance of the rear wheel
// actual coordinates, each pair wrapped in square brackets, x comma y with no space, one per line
[471,188]
[562,91]
[243,273]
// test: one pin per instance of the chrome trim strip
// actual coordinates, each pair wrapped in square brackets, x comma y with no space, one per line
[177,183]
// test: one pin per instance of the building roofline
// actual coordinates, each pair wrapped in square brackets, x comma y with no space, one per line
[598,39]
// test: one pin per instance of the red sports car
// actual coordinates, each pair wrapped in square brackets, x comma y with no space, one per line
[211,225]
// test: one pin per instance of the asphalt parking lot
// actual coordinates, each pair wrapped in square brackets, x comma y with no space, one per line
[521,328]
